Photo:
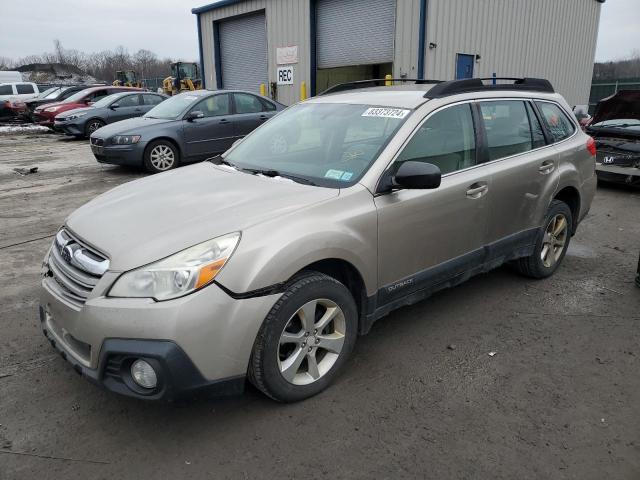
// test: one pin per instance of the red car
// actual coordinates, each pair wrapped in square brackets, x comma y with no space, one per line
[45,114]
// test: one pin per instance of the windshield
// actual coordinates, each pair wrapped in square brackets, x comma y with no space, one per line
[103,102]
[49,91]
[327,144]
[76,97]
[630,123]
[173,107]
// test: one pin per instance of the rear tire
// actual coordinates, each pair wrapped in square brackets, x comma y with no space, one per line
[161,156]
[551,245]
[92,125]
[305,339]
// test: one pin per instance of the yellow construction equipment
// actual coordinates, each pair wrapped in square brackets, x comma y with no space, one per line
[126,78]
[184,77]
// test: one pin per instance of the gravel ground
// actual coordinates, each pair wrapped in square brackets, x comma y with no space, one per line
[421,398]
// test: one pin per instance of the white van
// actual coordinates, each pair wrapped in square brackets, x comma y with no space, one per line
[7,76]
[18,91]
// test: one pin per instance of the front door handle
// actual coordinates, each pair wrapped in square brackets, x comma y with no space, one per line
[477,190]
[546,167]
[224,120]
[263,118]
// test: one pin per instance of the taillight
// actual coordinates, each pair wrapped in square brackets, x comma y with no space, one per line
[591,146]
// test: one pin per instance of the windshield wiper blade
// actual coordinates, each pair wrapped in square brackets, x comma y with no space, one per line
[276,173]
[218,160]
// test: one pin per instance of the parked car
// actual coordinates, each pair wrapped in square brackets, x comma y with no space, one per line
[267,262]
[616,130]
[18,91]
[82,122]
[188,127]
[11,109]
[45,114]
[51,95]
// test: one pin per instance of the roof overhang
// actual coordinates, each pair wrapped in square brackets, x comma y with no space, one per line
[214,6]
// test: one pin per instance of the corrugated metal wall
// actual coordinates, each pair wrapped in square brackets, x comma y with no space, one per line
[287,25]
[554,39]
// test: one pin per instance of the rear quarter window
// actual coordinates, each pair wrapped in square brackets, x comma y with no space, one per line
[556,121]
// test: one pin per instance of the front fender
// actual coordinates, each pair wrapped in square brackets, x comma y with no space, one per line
[270,253]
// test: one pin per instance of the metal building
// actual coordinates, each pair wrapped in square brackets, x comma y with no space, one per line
[286,44]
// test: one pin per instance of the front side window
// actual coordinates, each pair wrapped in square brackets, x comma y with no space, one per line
[446,139]
[128,101]
[24,88]
[246,103]
[556,121]
[214,106]
[98,95]
[507,125]
[327,144]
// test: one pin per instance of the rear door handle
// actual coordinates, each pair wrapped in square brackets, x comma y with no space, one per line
[477,190]
[224,120]
[546,167]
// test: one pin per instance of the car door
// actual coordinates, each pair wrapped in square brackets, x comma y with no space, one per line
[250,112]
[212,133]
[524,172]
[125,107]
[426,238]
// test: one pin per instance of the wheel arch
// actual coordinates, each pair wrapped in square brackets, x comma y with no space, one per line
[571,196]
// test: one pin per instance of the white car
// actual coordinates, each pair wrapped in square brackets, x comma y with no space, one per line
[18,91]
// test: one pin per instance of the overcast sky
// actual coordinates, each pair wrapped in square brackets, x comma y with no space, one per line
[168,28]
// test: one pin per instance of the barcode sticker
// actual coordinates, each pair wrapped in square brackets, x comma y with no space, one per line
[385,112]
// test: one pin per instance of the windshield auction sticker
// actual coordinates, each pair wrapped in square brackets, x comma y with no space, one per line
[385,112]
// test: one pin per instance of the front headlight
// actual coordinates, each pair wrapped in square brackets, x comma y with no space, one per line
[76,115]
[51,109]
[125,139]
[179,274]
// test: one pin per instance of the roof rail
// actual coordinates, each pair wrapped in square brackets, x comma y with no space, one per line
[374,82]
[476,85]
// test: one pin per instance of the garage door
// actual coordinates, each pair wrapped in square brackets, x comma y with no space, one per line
[243,53]
[355,32]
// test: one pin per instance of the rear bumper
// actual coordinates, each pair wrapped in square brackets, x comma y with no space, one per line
[177,375]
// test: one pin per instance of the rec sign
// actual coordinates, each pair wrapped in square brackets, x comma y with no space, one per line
[285,75]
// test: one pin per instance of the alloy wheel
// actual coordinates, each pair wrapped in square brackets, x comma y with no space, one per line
[93,126]
[162,157]
[554,240]
[311,341]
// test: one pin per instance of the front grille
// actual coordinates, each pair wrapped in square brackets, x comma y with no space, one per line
[614,157]
[98,142]
[74,268]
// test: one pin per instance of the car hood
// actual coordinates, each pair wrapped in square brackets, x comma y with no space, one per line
[131,126]
[145,220]
[63,107]
[74,111]
[624,104]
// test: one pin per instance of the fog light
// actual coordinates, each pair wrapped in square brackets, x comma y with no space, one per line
[144,374]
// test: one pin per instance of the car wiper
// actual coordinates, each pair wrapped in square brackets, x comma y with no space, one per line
[276,173]
[218,160]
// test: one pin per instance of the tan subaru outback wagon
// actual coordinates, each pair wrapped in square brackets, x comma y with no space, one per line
[267,263]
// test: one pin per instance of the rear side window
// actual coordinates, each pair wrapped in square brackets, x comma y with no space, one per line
[152,99]
[537,135]
[246,103]
[446,139]
[24,88]
[6,90]
[507,125]
[556,121]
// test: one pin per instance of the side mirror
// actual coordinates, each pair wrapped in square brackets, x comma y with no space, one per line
[114,106]
[194,114]
[417,175]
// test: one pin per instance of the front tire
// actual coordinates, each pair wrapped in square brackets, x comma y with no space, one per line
[551,245]
[92,125]
[161,156]
[305,339]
